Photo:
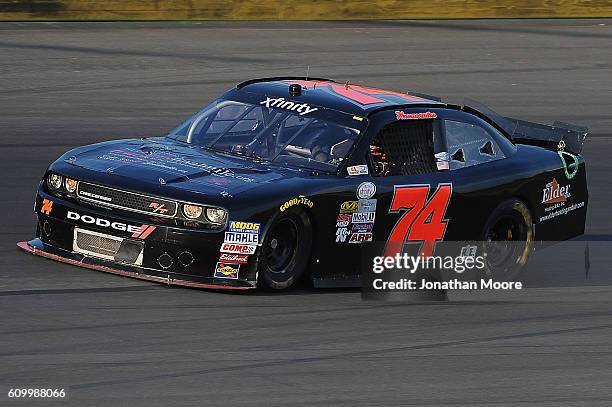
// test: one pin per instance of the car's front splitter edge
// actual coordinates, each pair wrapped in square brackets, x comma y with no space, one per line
[30,248]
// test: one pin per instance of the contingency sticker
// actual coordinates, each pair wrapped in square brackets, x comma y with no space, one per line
[227,270]
[357,170]
[355,220]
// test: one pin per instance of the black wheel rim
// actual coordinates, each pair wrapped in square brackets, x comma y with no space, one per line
[502,240]
[281,245]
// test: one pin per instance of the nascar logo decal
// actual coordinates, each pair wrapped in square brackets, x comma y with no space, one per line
[227,270]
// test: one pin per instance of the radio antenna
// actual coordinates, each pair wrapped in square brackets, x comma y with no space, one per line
[307,71]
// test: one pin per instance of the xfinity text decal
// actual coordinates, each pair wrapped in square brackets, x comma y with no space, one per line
[301,108]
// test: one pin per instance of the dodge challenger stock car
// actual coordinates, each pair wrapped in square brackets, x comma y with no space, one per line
[286,177]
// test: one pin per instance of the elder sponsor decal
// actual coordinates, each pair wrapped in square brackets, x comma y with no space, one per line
[301,108]
[227,270]
[357,170]
[555,193]
[399,115]
[555,196]
[244,227]
[246,238]
[234,258]
[237,248]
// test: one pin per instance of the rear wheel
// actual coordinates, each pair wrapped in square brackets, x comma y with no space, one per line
[285,251]
[508,240]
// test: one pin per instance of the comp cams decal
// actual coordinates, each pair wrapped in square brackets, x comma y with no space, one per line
[300,108]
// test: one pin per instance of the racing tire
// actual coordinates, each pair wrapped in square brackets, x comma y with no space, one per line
[507,240]
[285,251]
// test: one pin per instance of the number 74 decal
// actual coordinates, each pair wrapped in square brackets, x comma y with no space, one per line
[422,220]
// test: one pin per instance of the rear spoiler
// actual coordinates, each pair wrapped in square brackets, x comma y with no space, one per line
[559,136]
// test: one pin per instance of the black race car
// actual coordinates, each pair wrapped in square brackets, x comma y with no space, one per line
[280,177]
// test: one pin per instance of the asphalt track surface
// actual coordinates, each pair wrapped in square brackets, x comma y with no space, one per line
[110,340]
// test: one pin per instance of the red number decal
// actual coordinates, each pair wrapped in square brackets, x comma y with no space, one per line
[423,219]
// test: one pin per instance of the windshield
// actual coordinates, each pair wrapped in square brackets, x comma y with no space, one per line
[289,135]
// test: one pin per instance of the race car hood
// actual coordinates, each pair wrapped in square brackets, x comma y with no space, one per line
[168,162]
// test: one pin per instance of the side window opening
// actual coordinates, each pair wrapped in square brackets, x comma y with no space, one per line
[404,148]
[469,144]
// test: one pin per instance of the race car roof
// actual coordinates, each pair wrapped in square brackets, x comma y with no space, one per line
[327,93]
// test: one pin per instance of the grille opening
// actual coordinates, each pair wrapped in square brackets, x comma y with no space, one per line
[97,243]
[114,198]
[107,247]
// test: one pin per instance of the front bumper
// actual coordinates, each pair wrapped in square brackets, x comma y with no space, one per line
[157,237]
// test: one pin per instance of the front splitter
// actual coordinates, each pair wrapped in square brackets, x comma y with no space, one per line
[31,248]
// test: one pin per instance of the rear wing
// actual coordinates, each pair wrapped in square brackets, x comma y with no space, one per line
[558,136]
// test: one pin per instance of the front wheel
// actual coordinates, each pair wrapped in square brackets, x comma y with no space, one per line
[508,240]
[285,251]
